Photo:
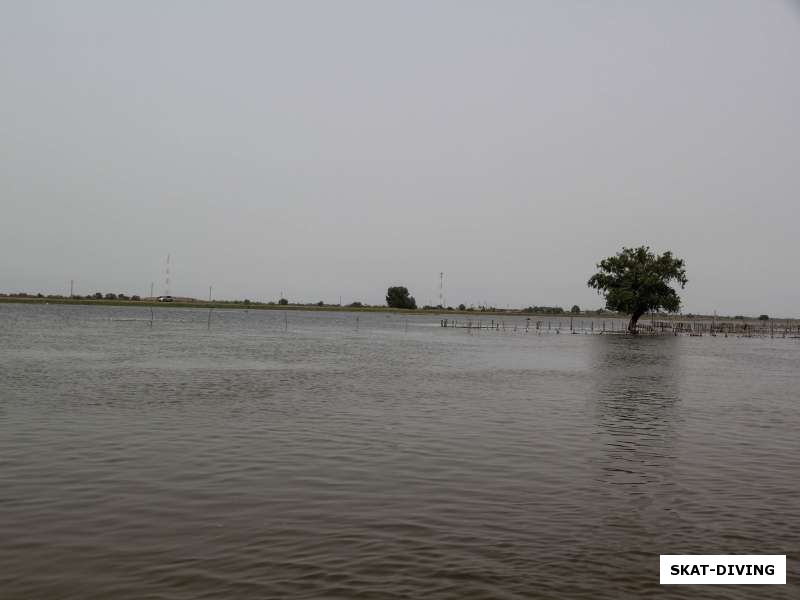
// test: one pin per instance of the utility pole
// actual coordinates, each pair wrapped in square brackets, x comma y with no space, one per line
[167,278]
[441,289]
[209,292]
[151,289]
[71,288]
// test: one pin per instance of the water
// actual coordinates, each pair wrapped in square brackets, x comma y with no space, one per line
[318,457]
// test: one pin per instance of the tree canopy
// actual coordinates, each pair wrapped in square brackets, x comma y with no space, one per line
[636,281]
[398,297]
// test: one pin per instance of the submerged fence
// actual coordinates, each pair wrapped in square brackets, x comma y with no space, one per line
[582,325]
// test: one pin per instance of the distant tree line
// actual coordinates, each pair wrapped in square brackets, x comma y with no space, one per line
[396,297]
[544,310]
[95,296]
[400,297]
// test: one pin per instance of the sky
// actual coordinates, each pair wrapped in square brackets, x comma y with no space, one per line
[332,149]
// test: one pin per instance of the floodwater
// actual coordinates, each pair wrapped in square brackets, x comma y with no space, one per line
[344,455]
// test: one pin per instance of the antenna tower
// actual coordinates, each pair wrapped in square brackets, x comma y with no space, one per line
[167,279]
[441,289]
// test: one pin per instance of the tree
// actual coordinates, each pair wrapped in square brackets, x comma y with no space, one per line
[575,310]
[398,297]
[283,302]
[637,280]
[462,307]
[763,317]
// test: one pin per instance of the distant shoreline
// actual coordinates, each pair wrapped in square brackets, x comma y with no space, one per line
[295,307]
[202,304]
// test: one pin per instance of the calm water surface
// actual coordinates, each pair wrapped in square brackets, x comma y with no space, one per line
[320,457]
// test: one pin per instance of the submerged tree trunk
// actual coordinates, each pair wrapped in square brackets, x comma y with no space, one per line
[634,319]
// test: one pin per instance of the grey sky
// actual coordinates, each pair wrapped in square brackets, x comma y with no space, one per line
[335,148]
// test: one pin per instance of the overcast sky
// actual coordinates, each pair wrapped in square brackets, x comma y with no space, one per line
[330,149]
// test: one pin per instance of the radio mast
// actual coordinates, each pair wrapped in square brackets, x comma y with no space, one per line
[167,280]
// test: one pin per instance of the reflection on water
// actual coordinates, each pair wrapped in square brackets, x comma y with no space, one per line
[636,406]
[638,416]
[300,456]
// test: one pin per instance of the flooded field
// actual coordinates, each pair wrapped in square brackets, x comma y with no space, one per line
[372,455]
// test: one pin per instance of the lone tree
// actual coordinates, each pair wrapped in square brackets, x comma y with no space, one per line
[398,297]
[637,280]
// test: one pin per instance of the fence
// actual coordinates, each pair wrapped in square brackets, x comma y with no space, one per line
[582,325]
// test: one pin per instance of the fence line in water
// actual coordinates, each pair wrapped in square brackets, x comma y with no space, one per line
[585,326]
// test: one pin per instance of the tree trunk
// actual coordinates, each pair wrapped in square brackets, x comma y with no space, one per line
[634,319]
